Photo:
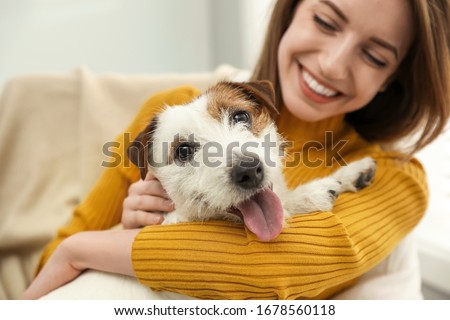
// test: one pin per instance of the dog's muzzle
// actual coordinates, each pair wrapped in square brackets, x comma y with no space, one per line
[248,173]
[262,211]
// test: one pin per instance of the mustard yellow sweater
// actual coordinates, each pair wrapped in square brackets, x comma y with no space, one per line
[316,256]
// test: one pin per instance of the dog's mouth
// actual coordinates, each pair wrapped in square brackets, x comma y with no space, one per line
[262,213]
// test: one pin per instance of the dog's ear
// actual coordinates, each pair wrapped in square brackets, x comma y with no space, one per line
[262,92]
[138,151]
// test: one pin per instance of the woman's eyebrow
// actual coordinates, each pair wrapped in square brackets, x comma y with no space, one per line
[335,9]
[385,45]
[378,41]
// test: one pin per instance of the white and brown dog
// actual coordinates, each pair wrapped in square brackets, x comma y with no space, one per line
[220,157]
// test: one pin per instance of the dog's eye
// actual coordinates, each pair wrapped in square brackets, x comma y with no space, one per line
[241,117]
[185,151]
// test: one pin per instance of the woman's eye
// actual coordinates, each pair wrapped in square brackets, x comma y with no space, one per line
[375,61]
[241,117]
[324,24]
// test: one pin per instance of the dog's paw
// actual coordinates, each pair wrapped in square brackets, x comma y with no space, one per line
[357,175]
[323,193]
[335,192]
[317,195]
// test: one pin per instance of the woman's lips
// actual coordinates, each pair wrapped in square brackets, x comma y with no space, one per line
[314,89]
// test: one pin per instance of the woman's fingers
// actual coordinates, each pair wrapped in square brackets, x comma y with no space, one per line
[139,218]
[149,176]
[145,204]
[148,203]
[144,210]
[149,187]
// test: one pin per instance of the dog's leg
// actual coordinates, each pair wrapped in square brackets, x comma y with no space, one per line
[320,194]
[317,195]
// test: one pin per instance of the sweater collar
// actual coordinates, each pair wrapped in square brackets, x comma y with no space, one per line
[302,133]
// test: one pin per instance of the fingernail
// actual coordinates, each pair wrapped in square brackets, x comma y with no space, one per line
[168,203]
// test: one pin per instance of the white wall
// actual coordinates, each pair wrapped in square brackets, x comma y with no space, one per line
[433,233]
[254,18]
[130,36]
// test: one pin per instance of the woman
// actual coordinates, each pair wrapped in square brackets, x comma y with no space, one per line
[370,72]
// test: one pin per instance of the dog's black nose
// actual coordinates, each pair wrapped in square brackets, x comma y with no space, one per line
[248,173]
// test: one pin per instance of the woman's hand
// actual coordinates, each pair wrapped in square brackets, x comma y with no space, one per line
[145,204]
[58,271]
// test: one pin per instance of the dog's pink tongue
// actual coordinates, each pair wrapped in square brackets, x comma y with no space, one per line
[263,214]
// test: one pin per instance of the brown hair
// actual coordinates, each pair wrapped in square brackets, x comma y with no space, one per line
[417,99]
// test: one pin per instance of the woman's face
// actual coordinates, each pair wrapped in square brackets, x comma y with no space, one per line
[337,55]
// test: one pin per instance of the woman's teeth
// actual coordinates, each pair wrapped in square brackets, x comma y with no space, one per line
[317,87]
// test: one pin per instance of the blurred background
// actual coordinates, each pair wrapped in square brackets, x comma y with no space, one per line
[158,36]
[136,36]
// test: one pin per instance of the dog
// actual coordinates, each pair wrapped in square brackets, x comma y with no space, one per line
[220,156]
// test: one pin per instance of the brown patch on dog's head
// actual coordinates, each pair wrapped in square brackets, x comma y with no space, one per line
[257,98]
[138,151]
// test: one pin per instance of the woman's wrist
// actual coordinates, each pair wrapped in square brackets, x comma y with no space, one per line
[75,250]
[108,251]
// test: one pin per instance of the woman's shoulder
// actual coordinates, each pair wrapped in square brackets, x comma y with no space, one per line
[157,102]
[174,96]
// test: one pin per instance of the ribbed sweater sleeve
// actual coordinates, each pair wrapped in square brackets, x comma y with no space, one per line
[316,256]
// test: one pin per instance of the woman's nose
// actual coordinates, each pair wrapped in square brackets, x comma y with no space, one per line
[335,61]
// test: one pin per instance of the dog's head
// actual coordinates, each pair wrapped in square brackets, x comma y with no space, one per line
[218,156]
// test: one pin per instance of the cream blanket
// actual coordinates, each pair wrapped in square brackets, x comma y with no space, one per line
[52,129]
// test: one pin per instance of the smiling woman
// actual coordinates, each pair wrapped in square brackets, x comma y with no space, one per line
[362,58]
[334,70]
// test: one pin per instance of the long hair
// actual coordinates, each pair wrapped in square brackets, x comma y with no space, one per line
[417,100]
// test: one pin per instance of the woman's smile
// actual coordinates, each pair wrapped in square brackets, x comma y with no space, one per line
[315,89]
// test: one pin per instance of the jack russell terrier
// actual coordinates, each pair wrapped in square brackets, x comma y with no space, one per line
[220,157]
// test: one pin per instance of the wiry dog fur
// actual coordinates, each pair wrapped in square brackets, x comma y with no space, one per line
[243,182]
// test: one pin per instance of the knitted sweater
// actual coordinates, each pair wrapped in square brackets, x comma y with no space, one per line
[317,254]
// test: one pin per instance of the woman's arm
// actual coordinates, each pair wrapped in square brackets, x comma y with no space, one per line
[109,251]
[317,256]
